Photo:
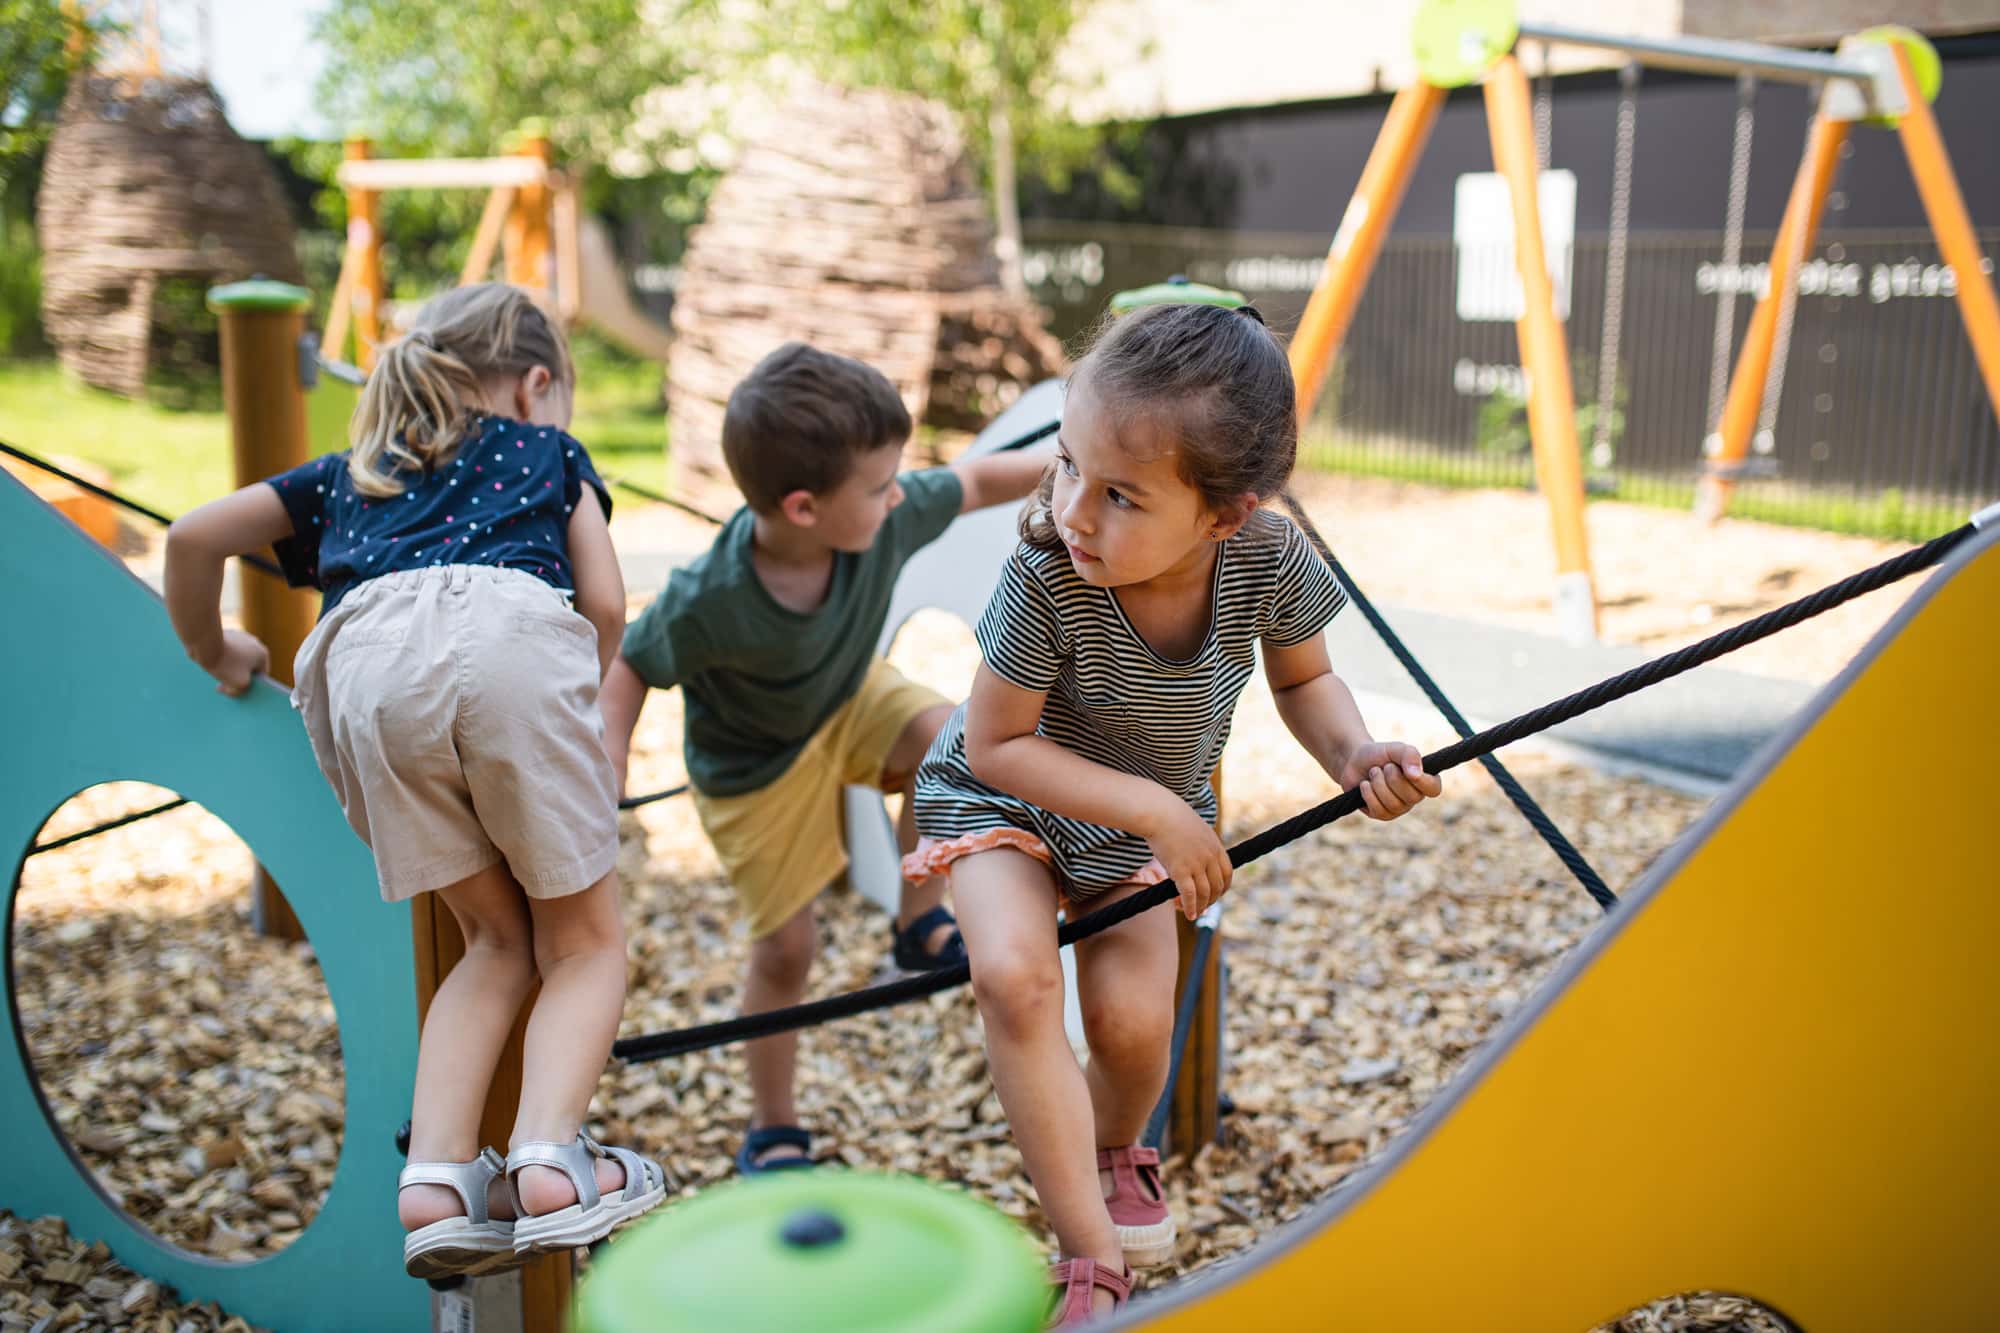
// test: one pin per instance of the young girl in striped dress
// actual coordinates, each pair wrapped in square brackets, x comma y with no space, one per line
[1122,631]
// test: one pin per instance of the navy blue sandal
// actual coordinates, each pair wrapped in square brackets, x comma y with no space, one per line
[909,950]
[762,1139]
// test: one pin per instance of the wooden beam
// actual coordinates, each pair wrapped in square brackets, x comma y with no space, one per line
[546,1281]
[364,238]
[1351,257]
[569,257]
[479,260]
[1753,362]
[442,173]
[1544,355]
[1944,204]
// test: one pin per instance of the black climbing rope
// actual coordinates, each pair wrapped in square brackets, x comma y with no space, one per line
[659,1045]
[1537,818]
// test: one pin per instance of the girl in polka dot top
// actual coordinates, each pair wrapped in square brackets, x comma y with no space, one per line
[471,601]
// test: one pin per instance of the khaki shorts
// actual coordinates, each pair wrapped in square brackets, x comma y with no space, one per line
[781,844]
[454,710]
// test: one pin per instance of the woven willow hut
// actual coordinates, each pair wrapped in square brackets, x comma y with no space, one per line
[148,197]
[851,221]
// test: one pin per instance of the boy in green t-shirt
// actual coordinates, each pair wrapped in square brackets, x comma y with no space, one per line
[771,636]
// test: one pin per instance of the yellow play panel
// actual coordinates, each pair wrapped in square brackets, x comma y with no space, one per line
[1772,1072]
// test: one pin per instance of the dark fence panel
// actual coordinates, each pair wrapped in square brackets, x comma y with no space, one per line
[1883,424]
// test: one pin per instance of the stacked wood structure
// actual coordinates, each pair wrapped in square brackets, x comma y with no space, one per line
[851,220]
[145,185]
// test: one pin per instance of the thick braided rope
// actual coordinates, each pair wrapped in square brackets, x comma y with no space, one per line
[144,511]
[259,562]
[658,1045]
[1537,818]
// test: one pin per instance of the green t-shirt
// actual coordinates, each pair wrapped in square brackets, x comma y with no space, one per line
[759,678]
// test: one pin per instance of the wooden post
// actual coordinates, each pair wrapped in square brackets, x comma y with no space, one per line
[542,1287]
[1753,363]
[1937,186]
[262,324]
[1193,1116]
[527,251]
[1351,257]
[1551,407]
[364,242]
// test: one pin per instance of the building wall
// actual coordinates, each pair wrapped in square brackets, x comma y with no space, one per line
[1822,22]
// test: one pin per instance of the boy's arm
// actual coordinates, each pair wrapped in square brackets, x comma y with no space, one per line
[1003,751]
[622,696]
[1319,710]
[198,545]
[600,587]
[992,479]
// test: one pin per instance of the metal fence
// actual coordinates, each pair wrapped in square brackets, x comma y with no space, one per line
[1882,425]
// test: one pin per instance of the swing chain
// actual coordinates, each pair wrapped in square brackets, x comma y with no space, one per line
[1614,267]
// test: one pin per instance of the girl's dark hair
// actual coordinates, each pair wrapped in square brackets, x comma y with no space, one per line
[1217,377]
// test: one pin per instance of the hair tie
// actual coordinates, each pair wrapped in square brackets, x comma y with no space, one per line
[423,338]
[1253,312]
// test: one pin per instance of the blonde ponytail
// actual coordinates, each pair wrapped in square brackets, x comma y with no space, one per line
[427,387]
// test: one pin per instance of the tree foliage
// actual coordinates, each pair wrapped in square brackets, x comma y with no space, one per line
[35,68]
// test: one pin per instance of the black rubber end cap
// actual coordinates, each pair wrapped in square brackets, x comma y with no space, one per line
[812,1228]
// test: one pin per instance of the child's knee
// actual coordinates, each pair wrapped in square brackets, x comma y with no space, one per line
[786,954]
[1122,1027]
[1019,993]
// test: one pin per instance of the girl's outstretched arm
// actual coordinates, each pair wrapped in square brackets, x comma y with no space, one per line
[1319,710]
[1002,749]
[198,545]
[600,587]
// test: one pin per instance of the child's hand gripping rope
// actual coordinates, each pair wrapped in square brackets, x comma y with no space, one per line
[1391,777]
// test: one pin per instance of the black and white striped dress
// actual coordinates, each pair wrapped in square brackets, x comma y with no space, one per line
[1112,699]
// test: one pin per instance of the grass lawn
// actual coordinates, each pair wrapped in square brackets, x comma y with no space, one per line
[175,460]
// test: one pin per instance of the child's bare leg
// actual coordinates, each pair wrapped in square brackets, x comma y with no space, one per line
[779,965]
[1007,906]
[900,773]
[464,1030]
[580,952]
[1125,989]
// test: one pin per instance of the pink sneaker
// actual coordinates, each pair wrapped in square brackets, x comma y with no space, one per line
[1138,1205]
[1076,1280]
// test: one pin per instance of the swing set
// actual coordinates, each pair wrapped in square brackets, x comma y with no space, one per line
[1884,76]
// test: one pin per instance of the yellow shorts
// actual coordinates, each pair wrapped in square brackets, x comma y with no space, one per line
[781,844]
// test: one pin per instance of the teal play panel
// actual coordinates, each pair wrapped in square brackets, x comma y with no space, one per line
[95,688]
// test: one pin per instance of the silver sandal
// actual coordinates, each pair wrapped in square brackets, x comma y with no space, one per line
[593,1216]
[459,1246]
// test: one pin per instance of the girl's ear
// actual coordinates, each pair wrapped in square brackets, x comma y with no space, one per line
[799,508]
[530,389]
[1227,521]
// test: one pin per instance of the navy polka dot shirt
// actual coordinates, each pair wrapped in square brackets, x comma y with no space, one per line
[503,499]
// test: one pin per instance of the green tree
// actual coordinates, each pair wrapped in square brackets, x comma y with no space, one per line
[435,79]
[451,79]
[36,62]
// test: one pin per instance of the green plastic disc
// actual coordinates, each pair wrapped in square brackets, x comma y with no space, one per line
[259,294]
[1925,66]
[831,1250]
[1457,41]
[1175,291]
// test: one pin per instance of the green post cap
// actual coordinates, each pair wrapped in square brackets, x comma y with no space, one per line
[1457,41]
[1176,290]
[1925,66]
[259,294]
[831,1250]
